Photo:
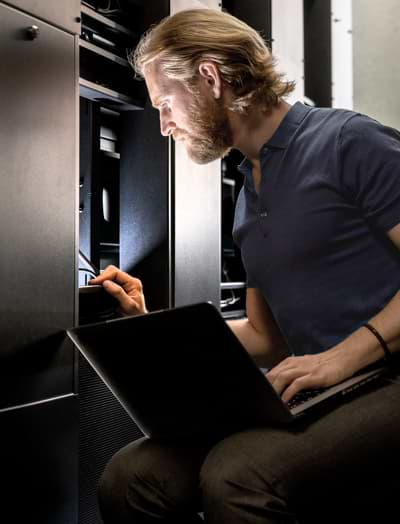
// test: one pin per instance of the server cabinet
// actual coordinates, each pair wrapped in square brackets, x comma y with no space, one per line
[61,14]
[39,463]
[37,212]
[38,408]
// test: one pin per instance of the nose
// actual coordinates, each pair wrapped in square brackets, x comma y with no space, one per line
[167,125]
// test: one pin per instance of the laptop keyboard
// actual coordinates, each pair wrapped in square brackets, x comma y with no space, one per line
[303,396]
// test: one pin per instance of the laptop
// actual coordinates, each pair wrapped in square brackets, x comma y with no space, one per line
[182,373]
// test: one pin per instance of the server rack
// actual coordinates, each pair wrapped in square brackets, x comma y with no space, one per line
[61,424]
[38,406]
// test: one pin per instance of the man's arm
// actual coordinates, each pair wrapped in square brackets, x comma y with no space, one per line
[356,351]
[259,333]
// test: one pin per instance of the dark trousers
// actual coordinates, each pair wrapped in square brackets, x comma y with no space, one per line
[337,467]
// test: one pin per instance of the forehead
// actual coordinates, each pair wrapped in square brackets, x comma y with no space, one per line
[159,85]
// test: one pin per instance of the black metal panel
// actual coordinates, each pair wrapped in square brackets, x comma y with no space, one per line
[105,427]
[88,135]
[144,194]
[144,186]
[317,52]
[152,13]
[39,463]
[63,14]
[90,164]
[37,212]
[256,14]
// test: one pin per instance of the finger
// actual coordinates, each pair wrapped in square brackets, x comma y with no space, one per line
[300,384]
[131,285]
[281,381]
[284,365]
[127,304]
[109,273]
[115,274]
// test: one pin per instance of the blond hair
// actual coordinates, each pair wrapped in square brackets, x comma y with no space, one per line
[180,42]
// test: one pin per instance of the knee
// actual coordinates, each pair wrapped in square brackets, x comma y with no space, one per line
[115,480]
[126,486]
[236,485]
[147,478]
[227,474]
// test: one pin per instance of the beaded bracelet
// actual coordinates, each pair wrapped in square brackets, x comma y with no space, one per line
[388,354]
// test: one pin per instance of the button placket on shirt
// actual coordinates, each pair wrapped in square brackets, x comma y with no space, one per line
[263,212]
[263,215]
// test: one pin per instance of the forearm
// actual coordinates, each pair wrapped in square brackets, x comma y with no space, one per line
[334,365]
[266,349]
[362,347]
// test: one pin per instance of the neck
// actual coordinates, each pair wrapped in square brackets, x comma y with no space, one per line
[253,130]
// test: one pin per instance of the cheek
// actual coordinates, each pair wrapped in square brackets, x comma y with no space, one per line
[184,119]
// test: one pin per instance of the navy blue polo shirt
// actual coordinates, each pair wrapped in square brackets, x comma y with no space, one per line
[313,239]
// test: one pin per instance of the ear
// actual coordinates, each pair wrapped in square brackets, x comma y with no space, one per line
[211,77]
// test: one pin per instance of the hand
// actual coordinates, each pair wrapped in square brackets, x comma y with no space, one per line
[125,288]
[294,374]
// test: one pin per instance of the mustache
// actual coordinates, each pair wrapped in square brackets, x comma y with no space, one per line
[178,134]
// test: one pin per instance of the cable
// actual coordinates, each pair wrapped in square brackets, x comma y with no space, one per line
[88,271]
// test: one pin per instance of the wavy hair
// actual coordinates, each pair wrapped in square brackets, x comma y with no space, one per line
[180,42]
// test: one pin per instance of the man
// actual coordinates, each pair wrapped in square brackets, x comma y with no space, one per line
[318,224]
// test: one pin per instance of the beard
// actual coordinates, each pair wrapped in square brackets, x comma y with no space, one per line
[212,135]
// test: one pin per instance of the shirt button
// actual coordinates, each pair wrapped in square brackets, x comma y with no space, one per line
[263,214]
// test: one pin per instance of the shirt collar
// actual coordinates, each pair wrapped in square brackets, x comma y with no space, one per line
[283,134]
[286,129]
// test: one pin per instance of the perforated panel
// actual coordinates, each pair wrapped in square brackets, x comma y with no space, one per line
[105,427]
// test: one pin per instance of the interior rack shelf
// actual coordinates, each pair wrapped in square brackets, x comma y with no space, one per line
[104,53]
[111,154]
[233,285]
[87,12]
[108,97]
[105,73]
[235,314]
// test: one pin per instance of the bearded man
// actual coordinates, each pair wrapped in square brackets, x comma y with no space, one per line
[318,225]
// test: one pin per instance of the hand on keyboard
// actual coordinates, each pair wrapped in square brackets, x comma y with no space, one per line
[309,372]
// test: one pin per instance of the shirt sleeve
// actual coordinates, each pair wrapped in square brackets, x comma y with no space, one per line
[369,169]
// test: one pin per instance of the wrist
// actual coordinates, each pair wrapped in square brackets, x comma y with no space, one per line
[359,350]
[387,355]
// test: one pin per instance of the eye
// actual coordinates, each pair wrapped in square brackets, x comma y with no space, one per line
[165,107]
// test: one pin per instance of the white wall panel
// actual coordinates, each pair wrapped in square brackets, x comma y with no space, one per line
[342,54]
[179,5]
[376,39]
[288,42]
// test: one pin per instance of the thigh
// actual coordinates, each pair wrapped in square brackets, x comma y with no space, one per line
[322,464]
[152,478]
